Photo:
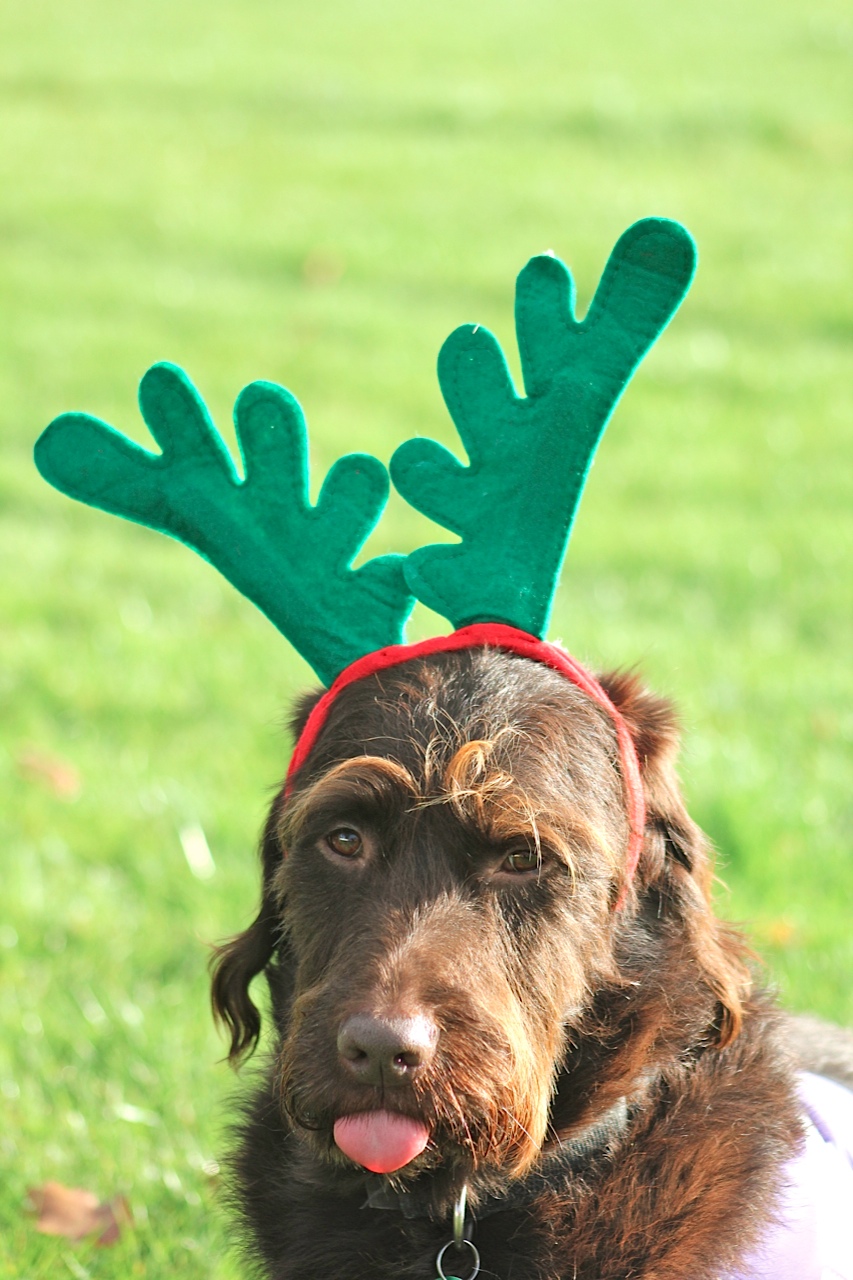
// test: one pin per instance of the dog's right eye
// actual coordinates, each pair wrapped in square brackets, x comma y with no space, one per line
[521,861]
[345,841]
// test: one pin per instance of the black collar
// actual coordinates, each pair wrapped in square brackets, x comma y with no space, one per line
[553,1171]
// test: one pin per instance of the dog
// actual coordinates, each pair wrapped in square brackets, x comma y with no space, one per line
[509,1035]
[459,1002]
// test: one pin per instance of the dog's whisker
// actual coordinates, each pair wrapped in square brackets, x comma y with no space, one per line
[458,1110]
[518,1124]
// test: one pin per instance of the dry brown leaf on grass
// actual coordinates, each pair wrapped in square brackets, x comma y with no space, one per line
[75,1213]
[56,774]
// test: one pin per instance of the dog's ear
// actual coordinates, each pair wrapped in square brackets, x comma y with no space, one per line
[236,962]
[655,730]
[302,709]
[676,866]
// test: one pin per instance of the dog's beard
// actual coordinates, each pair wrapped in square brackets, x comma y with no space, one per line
[484,1099]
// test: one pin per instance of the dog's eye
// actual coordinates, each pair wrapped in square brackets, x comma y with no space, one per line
[345,841]
[520,861]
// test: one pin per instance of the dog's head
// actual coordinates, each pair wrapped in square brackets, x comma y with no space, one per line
[439,922]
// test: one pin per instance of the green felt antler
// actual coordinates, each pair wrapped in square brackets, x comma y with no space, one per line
[514,504]
[291,559]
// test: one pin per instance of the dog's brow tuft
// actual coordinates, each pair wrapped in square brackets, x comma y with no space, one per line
[363,780]
[483,792]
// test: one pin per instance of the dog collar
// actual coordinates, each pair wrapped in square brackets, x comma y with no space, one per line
[497,636]
[553,1172]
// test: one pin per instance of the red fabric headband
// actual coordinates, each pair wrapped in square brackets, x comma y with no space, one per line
[499,636]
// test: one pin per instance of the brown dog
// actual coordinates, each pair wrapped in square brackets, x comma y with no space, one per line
[492,960]
[438,932]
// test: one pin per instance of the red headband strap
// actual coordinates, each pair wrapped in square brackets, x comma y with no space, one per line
[498,636]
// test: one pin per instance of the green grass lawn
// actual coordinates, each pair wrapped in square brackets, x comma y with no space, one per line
[318,194]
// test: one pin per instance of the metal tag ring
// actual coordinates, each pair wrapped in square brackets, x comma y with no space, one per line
[475,1258]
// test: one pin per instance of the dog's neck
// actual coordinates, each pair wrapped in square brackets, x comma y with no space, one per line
[554,1168]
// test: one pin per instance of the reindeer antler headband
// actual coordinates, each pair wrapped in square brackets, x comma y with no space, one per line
[512,506]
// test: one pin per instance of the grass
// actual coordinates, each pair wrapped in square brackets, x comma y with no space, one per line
[318,194]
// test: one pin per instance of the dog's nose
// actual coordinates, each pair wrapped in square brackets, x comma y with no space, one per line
[386,1050]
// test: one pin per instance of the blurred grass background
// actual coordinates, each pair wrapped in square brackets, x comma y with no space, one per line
[318,194]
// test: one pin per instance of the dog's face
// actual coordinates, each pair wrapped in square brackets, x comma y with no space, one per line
[452,983]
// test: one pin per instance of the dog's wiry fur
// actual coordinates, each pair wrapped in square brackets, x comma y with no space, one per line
[550,1007]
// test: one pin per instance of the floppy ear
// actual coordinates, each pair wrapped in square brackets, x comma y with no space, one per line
[675,864]
[236,962]
[304,705]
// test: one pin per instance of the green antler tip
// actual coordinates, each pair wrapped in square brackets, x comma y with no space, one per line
[293,560]
[513,506]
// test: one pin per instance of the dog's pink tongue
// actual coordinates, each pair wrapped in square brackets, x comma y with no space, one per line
[380,1140]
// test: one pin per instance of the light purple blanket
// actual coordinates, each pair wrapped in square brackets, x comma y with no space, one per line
[812,1236]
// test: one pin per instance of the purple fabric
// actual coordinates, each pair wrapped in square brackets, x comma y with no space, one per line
[812,1236]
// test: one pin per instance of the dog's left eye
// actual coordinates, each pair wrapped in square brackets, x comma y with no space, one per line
[520,861]
[345,841]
